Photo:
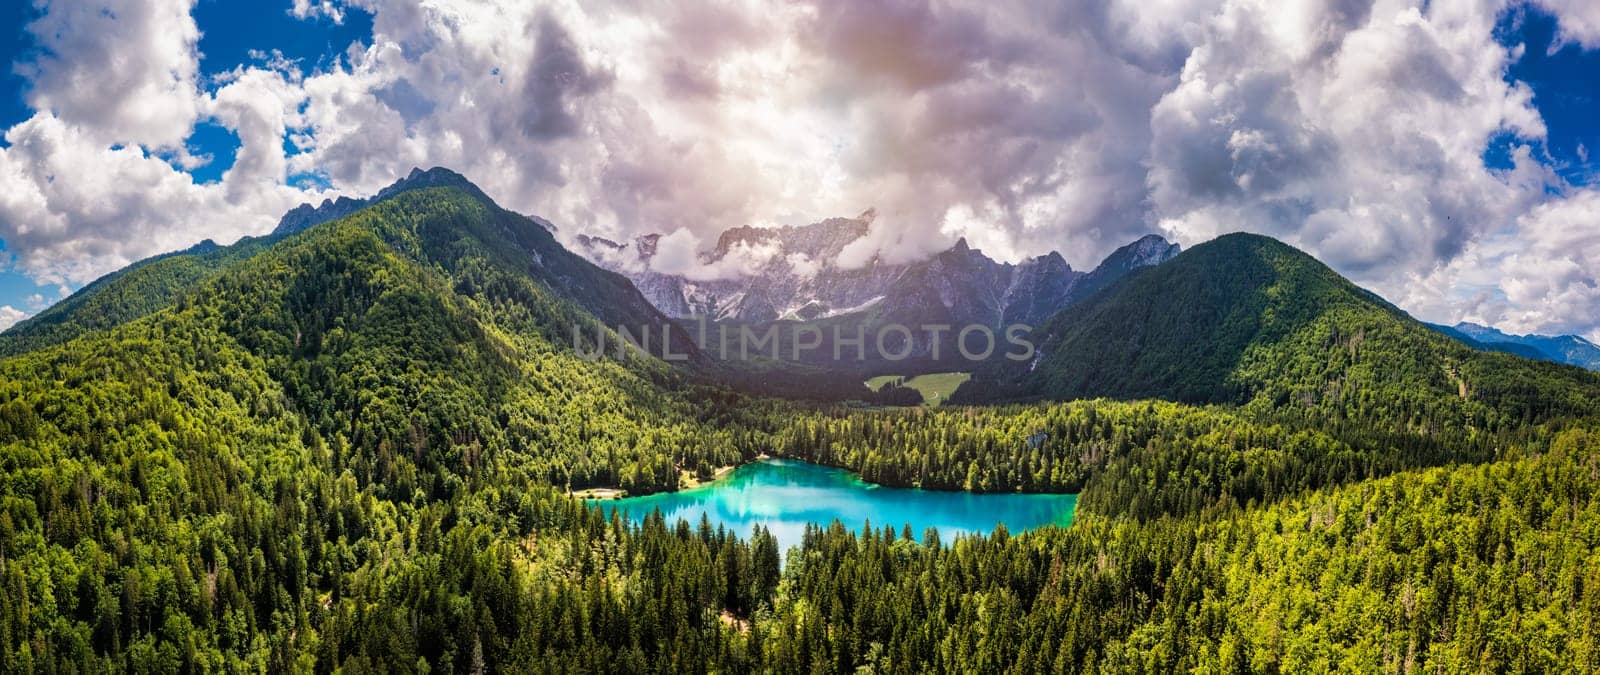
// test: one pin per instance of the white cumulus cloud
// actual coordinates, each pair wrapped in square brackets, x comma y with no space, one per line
[1352,128]
[9,316]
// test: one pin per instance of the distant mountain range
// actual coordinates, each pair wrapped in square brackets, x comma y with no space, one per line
[1568,349]
[800,279]
[1236,319]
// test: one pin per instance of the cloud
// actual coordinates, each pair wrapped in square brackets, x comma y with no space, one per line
[679,253]
[992,108]
[72,209]
[559,78]
[801,265]
[124,71]
[96,178]
[911,46]
[1579,21]
[259,105]
[1357,134]
[312,9]
[963,222]
[611,119]
[9,316]
[1352,128]
[1537,274]
[676,253]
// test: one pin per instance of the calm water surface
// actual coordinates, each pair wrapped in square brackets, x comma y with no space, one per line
[785,495]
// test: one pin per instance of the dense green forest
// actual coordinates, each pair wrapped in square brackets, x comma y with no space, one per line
[130,293]
[403,333]
[211,536]
[349,448]
[1136,459]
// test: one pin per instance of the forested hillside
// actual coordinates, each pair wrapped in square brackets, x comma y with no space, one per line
[1248,320]
[502,243]
[1141,459]
[1488,567]
[124,295]
[190,484]
[209,533]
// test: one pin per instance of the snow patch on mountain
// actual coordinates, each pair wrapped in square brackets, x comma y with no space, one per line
[792,273]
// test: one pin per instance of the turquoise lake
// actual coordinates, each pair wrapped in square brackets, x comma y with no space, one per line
[786,495]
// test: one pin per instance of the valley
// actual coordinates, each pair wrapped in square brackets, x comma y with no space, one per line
[354,444]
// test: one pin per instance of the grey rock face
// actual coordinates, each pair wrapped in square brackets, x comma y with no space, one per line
[801,280]
[306,216]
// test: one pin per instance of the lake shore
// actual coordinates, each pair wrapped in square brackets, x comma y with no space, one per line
[686,481]
[598,493]
[787,496]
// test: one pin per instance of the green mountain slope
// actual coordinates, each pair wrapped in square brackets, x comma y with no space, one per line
[1248,320]
[208,481]
[432,324]
[511,243]
[124,295]
[401,318]
[171,499]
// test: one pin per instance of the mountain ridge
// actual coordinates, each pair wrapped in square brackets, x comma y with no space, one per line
[149,284]
[306,216]
[1569,349]
[800,280]
[1248,320]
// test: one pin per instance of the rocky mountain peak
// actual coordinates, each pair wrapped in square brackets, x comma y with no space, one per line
[801,280]
[646,244]
[590,241]
[435,177]
[306,216]
[1050,261]
[820,241]
[1151,249]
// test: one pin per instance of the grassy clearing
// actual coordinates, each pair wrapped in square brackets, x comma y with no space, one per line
[877,383]
[935,387]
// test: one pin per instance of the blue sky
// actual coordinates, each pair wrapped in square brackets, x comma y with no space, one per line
[239,33]
[234,34]
[1441,153]
[1565,79]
